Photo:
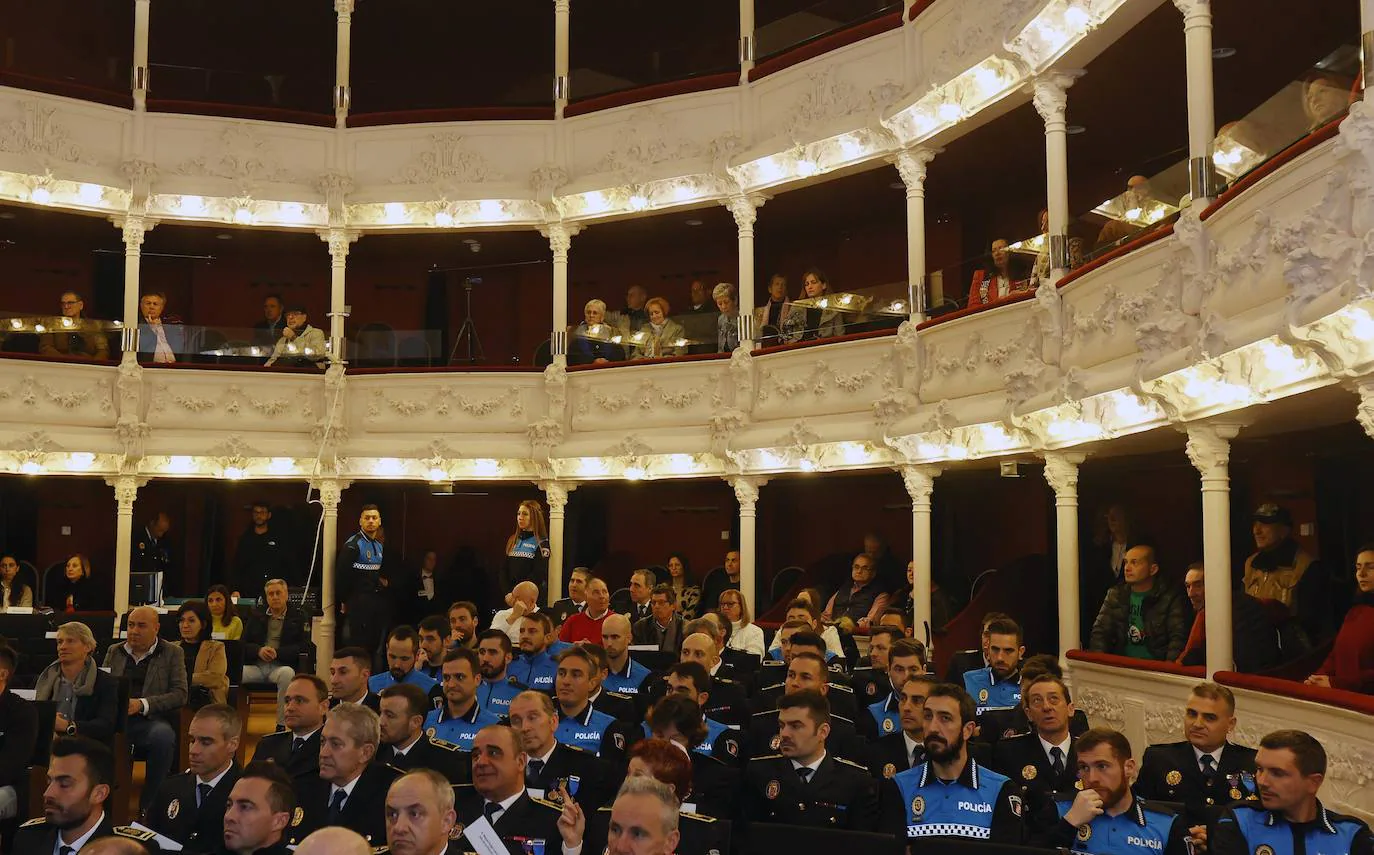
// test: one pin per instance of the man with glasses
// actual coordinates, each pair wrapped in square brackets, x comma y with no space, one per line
[72,338]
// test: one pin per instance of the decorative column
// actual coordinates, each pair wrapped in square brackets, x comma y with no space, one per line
[139,83]
[133,228]
[1051,100]
[1061,471]
[560,237]
[126,490]
[562,12]
[1209,450]
[920,483]
[747,494]
[1197,33]
[338,240]
[556,494]
[911,164]
[1367,38]
[746,39]
[331,490]
[1364,411]
[745,208]
[343,93]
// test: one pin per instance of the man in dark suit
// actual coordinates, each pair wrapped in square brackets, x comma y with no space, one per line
[80,775]
[498,793]
[349,671]
[150,553]
[806,672]
[404,744]
[897,752]
[662,628]
[553,764]
[189,808]
[634,604]
[351,789]
[1207,771]
[297,749]
[1043,761]
[18,736]
[576,599]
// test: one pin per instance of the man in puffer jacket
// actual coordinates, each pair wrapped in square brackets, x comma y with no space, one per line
[1143,617]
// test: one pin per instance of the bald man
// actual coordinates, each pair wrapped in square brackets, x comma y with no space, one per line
[156,672]
[118,844]
[523,600]
[334,840]
[624,675]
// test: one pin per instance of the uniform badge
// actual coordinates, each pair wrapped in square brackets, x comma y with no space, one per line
[1029,772]
[619,740]
[431,732]
[773,788]
[457,831]
[1015,802]
[173,808]
[1078,785]
[1010,732]
[918,808]
[775,742]
[141,546]
[871,688]
[889,770]
[1236,794]
[982,694]
[1174,778]
[887,725]
[732,747]
[298,817]
[1264,849]
[1085,832]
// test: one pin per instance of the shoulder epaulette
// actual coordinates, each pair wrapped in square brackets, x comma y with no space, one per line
[720,679]
[1017,736]
[617,695]
[548,804]
[577,748]
[36,821]
[444,744]
[842,718]
[132,833]
[771,688]
[858,766]
[859,668]
[766,712]
[515,682]
[770,757]
[841,687]
[698,817]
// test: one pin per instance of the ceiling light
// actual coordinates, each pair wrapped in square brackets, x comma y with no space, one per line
[91,194]
[806,168]
[30,467]
[192,205]
[443,219]
[80,460]
[949,112]
[437,474]
[234,473]
[693,222]
[634,473]
[639,202]
[806,465]
[180,463]
[242,215]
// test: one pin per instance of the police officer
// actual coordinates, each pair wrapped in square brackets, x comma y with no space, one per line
[870,680]
[1041,762]
[1288,818]
[897,752]
[1206,771]
[690,680]
[882,717]
[617,706]
[535,667]
[150,549]
[297,749]
[838,691]
[74,812]
[498,793]
[460,717]
[727,703]
[998,686]
[715,782]
[1001,724]
[1105,817]
[804,784]
[965,661]
[806,671]
[351,789]
[404,743]
[580,724]
[363,581]
[553,766]
[498,688]
[950,794]
[189,808]
[624,675]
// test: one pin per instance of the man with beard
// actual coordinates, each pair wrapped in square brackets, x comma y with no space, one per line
[404,744]
[402,650]
[1105,817]
[870,680]
[460,717]
[803,784]
[950,794]
[462,624]
[430,659]
[535,666]
[261,806]
[906,658]
[80,775]
[971,660]
[1042,761]
[998,686]
[553,766]
[897,752]
[497,688]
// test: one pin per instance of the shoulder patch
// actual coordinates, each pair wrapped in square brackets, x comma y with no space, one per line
[548,804]
[444,744]
[38,821]
[132,833]
[852,764]
[696,816]
[841,687]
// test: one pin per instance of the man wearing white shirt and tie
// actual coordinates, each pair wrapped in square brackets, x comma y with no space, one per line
[497,798]
[189,807]
[80,775]
[350,790]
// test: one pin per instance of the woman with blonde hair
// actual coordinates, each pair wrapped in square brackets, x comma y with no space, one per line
[74,590]
[527,549]
[745,635]
[660,336]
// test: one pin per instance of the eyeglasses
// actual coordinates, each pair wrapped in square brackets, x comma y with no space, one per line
[69,303]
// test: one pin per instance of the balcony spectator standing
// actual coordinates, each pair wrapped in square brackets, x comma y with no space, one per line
[18,736]
[863,601]
[718,583]
[1254,642]
[727,323]
[151,553]
[269,329]
[206,663]
[1104,561]
[75,590]
[156,672]
[661,334]
[527,550]
[1143,617]
[160,336]
[224,614]
[300,345]
[87,698]
[80,340]
[590,342]
[424,591]
[273,640]
[1350,664]
[1000,279]
[364,570]
[13,592]
[264,551]
[1282,571]
[585,625]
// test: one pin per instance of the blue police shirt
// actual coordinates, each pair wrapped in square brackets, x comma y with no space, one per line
[585,730]
[377,682]
[495,696]
[460,731]
[962,808]
[885,715]
[626,682]
[557,647]
[989,694]
[775,655]
[1268,831]
[537,671]
[1141,830]
[713,731]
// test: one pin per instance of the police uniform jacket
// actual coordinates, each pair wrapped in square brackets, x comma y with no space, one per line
[364,811]
[442,756]
[1247,828]
[18,736]
[887,755]
[840,696]
[1001,724]
[963,662]
[536,671]
[39,838]
[1144,829]
[869,684]
[495,696]
[460,730]
[523,827]
[303,762]
[980,805]
[700,835]
[630,681]
[715,786]
[839,795]
[990,693]
[278,848]
[844,740]
[174,813]
[1170,773]
[563,609]
[617,706]
[1023,760]
[595,780]
[150,554]
[880,718]
[371,700]
[595,731]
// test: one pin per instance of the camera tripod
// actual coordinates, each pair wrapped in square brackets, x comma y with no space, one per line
[467,333]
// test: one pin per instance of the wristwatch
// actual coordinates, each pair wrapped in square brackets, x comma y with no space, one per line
[71,729]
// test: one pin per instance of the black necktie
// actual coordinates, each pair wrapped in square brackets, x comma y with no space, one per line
[66,850]
[1057,760]
[297,743]
[202,793]
[490,810]
[536,769]
[804,772]
[916,756]
[1208,764]
[336,806]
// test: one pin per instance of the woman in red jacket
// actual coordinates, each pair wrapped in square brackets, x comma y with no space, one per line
[1351,663]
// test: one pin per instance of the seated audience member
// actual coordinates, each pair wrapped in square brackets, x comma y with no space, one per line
[820,323]
[300,345]
[553,765]
[269,329]
[904,658]
[1043,761]
[715,783]
[75,590]
[690,680]
[535,666]
[727,323]
[459,718]
[634,603]
[80,778]
[432,633]
[523,600]
[870,680]
[1281,570]
[1350,664]
[1138,194]
[224,615]
[718,583]
[806,670]
[334,840]
[75,338]
[663,627]
[745,635]
[13,592]
[1106,812]
[585,625]
[805,608]
[680,579]
[898,619]
[261,806]
[612,703]
[862,602]
[350,790]
[498,688]
[1144,616]
[1205,770]
[18,736]
[87,698]
[402,647]
[662,336]
[998,686]
[624,675]
[999,280]
[1324,96]
[774,313]
[701,301]
[904,749]
[462,625]
[207,668]
[404,743]
[804,784]
[349,672]
[274,637]
[648,827]
[162,337]
[157,691]
[1254,642]
[576,599]
[950,794]
[297,748]
[498,793]
[590,341]
[1001,724]
[580,724]
[420,819]
[971,660]
[264,551]
[1288,818]
[635,314]
[190,806]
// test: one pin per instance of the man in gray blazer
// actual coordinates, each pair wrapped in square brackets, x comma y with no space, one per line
[663,626]
[156,672]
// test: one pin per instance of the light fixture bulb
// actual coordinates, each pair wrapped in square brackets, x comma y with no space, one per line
[443,219]
[41,195]
[639,202]
[806,167]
